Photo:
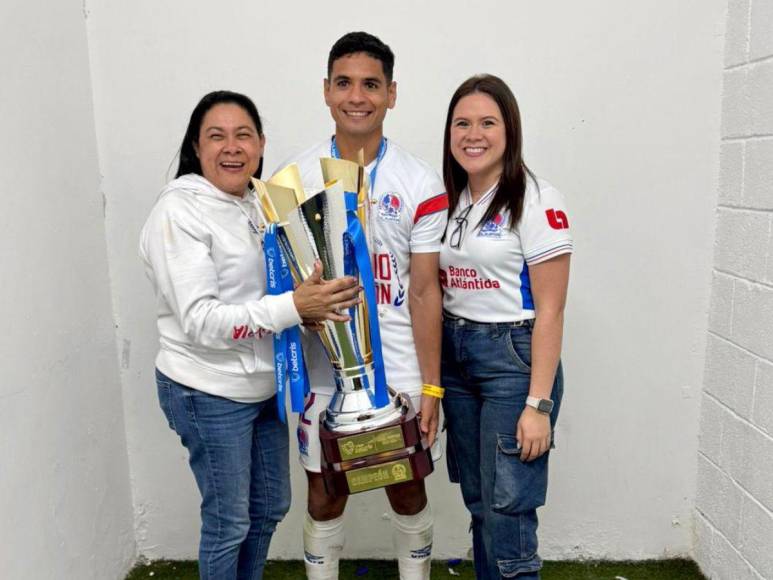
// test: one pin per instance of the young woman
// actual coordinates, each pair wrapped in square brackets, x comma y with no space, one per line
[504,269]
[215,367]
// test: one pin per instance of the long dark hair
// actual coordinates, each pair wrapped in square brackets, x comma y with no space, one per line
[512,183]
[189,161]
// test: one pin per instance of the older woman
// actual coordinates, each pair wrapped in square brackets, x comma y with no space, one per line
[505,268]
[215,368]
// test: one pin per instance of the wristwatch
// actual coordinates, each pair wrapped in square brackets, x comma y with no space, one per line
[542,405]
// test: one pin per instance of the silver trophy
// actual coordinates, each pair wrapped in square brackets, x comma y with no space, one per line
[364,446]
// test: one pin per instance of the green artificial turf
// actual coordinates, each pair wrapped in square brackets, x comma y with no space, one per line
[387,570]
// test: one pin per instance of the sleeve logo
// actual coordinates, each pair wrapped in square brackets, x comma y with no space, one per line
[243,331]
[557,219]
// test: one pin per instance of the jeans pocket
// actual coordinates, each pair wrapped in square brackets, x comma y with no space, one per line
[165,401]
[518,343]
[164,386]
[519,486]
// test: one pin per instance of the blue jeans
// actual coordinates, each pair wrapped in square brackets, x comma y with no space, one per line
[239,457]
[486,372]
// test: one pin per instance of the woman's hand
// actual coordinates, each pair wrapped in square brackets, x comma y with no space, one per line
[430,416]
[533,433]
[318,299]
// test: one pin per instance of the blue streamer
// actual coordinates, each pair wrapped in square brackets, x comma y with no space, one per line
[288,353]
[299,380]
[356,236]
[350,269]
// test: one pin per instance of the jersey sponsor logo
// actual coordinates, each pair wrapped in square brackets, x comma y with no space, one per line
[493,228]
[443,279]
[468,279]
[385,272]
[390,206]
[243,331]
[557,219]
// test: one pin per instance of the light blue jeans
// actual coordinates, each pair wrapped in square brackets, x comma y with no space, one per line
[239,457]
[486,372]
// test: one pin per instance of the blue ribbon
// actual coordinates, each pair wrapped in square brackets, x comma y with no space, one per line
[356,236]
[382,147]
[288,352]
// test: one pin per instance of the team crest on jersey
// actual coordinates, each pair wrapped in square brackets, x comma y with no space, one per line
[390,206]
[493,228]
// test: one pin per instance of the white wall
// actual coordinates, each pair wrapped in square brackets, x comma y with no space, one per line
[65,500]
[621,106]
[734,531]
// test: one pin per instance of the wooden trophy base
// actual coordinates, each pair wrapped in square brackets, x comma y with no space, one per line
[356,462]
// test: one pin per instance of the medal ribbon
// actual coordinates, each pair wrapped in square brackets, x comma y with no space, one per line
[382,147]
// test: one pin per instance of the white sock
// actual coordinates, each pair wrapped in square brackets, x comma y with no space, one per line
[412,539]
[322,545]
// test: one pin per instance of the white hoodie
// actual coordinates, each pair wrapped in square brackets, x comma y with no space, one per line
[207,267]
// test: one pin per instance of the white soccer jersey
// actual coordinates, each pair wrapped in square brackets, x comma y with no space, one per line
[408,215]
[487,277]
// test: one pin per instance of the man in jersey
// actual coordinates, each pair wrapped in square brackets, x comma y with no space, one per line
[408,216]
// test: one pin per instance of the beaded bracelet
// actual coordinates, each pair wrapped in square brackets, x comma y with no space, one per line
[433,391]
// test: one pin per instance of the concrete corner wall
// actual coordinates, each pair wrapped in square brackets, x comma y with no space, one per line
[734,503]
[65,502]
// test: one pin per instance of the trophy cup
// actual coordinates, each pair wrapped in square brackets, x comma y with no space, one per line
[369,433]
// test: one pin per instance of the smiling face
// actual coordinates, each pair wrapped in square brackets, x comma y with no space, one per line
[359,95]
[229,148]
[478,139]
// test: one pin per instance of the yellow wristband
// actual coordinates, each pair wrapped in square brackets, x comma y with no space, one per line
[433,391]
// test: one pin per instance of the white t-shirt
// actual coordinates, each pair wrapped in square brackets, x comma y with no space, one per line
[408,215]
[486,279]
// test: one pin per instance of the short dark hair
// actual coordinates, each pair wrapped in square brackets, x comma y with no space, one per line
[512,183]
[189,161]
[354,42]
